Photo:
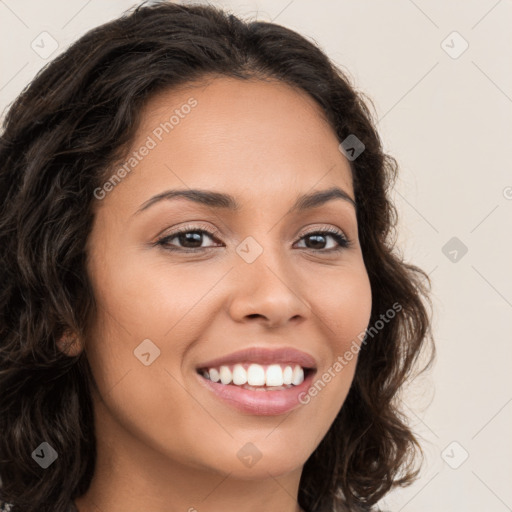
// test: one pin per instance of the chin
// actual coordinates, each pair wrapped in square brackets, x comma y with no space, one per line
[259,460]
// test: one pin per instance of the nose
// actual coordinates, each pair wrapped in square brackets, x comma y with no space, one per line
[267,292]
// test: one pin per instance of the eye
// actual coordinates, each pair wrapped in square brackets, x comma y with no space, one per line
[319,240]
[190,238]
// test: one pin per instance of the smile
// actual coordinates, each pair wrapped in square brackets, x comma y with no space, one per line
[256,376]
[261,400]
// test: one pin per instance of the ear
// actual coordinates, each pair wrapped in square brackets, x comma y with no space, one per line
[69,343]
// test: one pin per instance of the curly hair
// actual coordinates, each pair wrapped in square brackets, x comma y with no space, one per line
[59,141]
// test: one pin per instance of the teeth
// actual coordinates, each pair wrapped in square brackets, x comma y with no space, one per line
[287,375]
[297,376]
[239,375]
[256,375]
[272,376]
[225,375]
[213,375]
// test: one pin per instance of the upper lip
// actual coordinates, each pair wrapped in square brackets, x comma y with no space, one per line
[262,355]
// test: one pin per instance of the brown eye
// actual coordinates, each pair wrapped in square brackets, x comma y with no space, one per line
[187,239]
[318,240]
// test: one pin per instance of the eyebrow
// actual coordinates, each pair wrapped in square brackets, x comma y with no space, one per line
[225,201]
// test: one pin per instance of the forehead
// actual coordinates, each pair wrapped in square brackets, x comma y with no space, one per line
[252,136]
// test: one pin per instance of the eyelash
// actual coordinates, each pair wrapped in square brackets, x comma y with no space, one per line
[341,239]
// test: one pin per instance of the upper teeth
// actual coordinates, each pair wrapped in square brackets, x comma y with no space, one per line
[257,375]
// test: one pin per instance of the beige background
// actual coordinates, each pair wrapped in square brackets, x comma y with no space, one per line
[447,118]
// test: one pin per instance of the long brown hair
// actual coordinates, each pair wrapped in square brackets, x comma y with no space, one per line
[61,137]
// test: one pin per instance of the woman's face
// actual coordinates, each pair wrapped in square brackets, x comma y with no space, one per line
[258,281]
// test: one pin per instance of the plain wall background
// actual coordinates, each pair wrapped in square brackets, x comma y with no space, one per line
[447,118]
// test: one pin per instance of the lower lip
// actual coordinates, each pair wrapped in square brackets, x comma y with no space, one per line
[264,403]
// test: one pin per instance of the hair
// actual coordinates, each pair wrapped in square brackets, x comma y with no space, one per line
[60,139]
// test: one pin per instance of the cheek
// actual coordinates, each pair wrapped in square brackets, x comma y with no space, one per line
[343,303]
[146,295]
[137,306]
[343,312]
[140,300]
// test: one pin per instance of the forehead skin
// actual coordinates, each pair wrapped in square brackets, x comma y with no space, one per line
[262,150]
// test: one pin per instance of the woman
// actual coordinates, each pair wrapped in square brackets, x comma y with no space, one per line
[201,305]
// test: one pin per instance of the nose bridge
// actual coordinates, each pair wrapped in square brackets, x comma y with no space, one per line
[265,281]
[262,252]
[262,237]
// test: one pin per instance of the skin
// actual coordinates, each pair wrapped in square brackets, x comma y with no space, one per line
[165,443]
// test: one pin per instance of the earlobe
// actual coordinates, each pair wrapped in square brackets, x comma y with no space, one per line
[70,344]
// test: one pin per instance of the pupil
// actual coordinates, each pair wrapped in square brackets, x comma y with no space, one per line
[315,238]
[193,236]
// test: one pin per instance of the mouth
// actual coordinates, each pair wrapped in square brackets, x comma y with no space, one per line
[260,381]
[260,400]
[257,377]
